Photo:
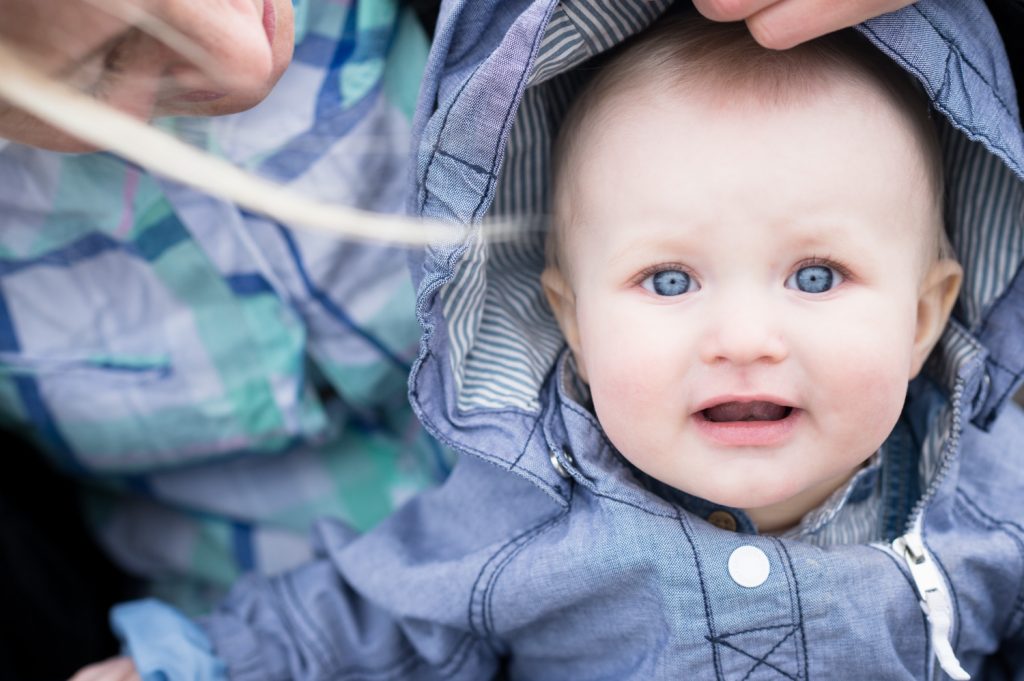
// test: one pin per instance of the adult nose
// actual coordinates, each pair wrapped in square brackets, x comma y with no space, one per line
[213,59]
[745,329]
[227,47]
[135,84]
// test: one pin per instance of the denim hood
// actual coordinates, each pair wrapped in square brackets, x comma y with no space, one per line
[499,79]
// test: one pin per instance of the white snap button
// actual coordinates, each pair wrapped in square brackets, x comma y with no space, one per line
[748,566]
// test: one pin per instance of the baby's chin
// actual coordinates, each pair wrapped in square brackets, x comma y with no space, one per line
[756,502]
[781,501]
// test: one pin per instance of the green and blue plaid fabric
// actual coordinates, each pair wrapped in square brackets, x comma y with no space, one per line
[216,379]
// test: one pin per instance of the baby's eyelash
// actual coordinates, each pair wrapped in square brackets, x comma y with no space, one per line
[825,261]
[661,267]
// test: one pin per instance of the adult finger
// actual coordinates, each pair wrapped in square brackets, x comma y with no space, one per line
[787,23]
[730,10]
[114,669]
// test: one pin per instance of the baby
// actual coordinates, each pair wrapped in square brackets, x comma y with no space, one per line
[749,265]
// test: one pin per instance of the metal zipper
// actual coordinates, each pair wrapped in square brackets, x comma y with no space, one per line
[933,596]
[950,447]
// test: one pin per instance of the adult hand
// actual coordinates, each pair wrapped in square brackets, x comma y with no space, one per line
[779,24]
[114,669]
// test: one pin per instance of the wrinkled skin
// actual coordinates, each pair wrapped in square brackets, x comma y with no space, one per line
[234,51]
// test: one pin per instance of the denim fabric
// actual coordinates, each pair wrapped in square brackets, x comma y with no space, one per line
[490,572]
[834,612]
[544,557]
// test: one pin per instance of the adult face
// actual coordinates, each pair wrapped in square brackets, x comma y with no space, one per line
[211,57]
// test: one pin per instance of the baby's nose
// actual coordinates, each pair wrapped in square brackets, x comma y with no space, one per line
[744,333]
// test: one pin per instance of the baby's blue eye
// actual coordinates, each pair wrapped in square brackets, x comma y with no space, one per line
[669,283]
[814,279]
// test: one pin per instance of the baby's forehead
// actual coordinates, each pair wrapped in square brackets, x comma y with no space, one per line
[660,175]
[721,72]
[721,66]
[623,101]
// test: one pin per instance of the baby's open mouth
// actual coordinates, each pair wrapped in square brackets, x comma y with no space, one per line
[746,411]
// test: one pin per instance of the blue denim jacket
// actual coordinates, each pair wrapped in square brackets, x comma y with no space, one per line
[544,556]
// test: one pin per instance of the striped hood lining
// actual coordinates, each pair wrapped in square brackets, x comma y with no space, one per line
[504,339]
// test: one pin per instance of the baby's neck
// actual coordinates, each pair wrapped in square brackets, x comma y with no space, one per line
[784,515]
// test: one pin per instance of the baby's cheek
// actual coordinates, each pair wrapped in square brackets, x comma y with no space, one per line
[638,405]
[635,370]
[623,383]
[628,358]
[618,395]
[868,398]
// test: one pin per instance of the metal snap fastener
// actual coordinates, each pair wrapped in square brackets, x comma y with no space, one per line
[723,520]
[749,566]
[557,465]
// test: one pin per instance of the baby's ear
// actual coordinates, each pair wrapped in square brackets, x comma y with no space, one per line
[563,303]
[934,304]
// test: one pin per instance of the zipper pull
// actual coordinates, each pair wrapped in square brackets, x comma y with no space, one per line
[934,600]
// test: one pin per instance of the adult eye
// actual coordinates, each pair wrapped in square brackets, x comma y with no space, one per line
[814,279]
[87,71]
[669,283]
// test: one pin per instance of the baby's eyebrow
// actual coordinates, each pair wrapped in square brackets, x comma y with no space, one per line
[95,53]
[672,241]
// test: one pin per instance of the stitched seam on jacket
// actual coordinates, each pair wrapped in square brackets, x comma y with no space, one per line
[758,661]
[496,563]
[992,523]
[763,660]
[501,463]
[902,569]
[795,615]
[469,638]
[1004,295]
[633,505]
[526,444]
[513,107]
[935,103]
[472,166]
[986,322]
[799,606]
[963,58]
[440,135]
[755,629]
[952,590]
[572,406]
[499,570]
[709,618]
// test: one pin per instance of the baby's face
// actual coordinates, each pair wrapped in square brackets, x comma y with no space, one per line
[746,287]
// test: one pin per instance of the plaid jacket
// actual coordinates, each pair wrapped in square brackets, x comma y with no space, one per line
[216,378]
